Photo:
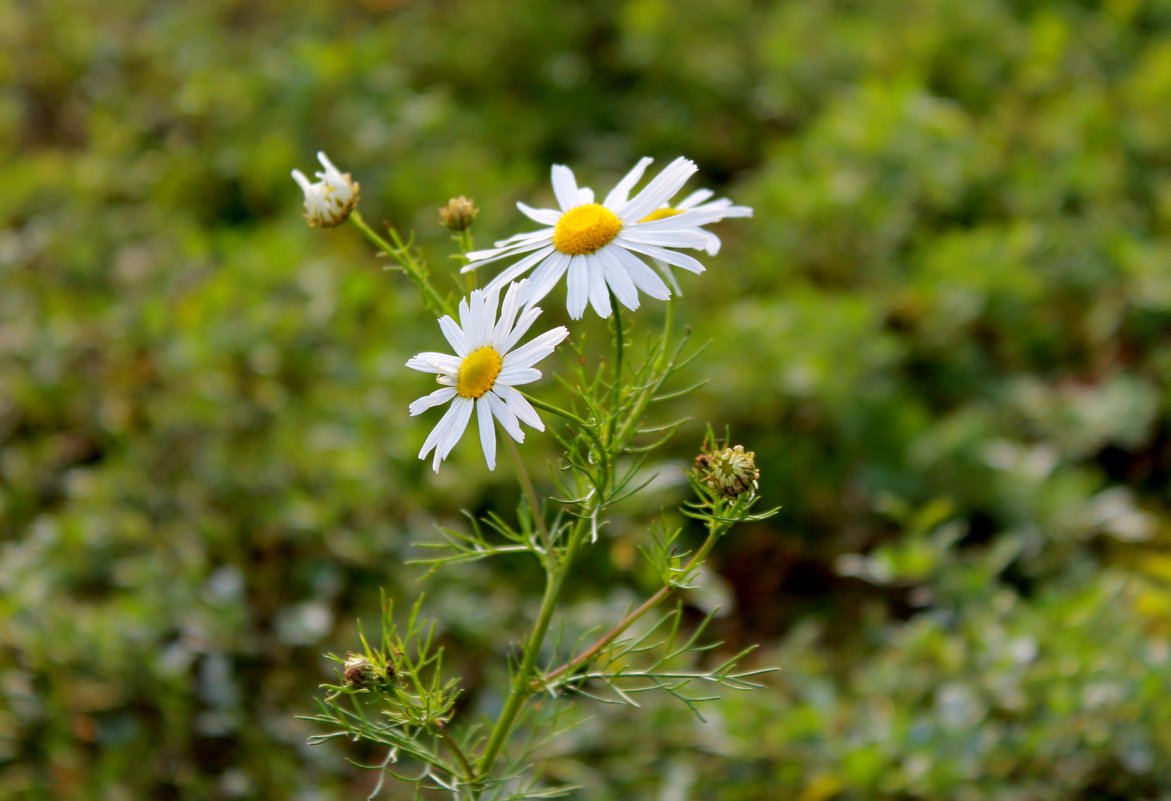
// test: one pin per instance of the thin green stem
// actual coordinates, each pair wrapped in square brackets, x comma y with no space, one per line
[453,746]
[521,691]
[652,386]
[401,253]
[530,493]
[714,532]
[616,391]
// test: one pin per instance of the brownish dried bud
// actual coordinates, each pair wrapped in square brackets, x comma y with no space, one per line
[458,214]
[359,671]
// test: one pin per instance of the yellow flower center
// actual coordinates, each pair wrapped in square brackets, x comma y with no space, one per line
[586,229]
[660,214]
[477,372]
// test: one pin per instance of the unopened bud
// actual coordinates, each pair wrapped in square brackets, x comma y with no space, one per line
[359,671]
[331,199]
[729,471]
[458,214]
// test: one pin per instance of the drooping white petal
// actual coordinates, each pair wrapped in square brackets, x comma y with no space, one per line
[579,288]
[487,430]
[643,276]
[505,415]
[545,277]
[689,263]
[460,412]
[617,278]
[478,258]
[519,405]
[439,396]
[599,294]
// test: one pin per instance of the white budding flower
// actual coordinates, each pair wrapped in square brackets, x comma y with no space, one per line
[485,371]
[329,201]
[599,245]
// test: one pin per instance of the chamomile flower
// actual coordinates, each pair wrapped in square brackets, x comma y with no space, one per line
[329,200]
[601,245]
[485,371]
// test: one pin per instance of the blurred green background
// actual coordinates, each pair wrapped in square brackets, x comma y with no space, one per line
[946,334]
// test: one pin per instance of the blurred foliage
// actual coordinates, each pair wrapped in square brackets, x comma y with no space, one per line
[945,335]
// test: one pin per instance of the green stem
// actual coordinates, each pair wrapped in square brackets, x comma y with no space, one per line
[644,398]
[469,771]
[402,255]
[520,691]
[615,392]
[714,532]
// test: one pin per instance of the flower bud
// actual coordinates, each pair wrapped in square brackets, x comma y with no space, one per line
[359,671]
[458,214]
[329,201]
[729,471]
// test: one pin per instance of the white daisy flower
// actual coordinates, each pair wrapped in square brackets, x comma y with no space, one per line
[329,201]
[699,201]
[600,245]
[485,371]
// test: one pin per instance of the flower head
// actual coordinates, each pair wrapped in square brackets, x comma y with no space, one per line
[329,201]
[457,214]
[601,245]
[485,371]
[729,471]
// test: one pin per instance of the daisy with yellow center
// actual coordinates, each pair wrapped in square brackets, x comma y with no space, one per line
[483,374]
[601,246]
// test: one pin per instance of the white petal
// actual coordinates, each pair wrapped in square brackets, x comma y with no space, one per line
[301,180]
[508,310]
[519,406]
[599,294]
[527,318]
[543,216]
[694,199]
[585,196]
[696,239]
[505,415]
[521,267]
[689,263]
[661,188]
[668,276]
[453,335]
[517,376]
[487,431]
[460,412]
[546,276]
[579,288]
[564,187]
[431,362]
[643,277]
[617,278]
[538,348]
[478,258]
[439,396]
[620,194]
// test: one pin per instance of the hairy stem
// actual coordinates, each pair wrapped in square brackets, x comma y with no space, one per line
[399,251]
